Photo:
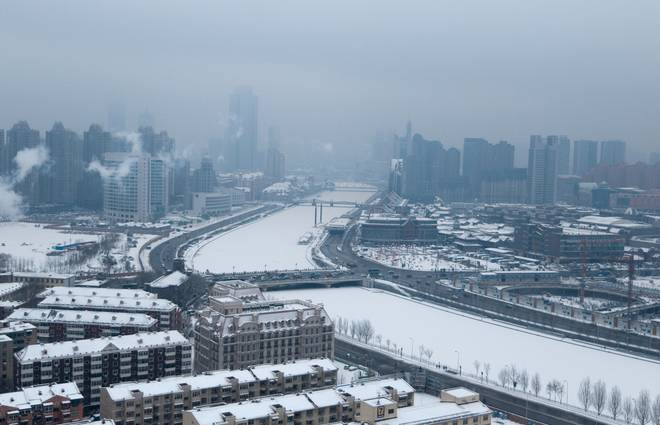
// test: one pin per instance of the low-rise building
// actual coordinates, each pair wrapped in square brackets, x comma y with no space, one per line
[44,404]
[383,401]
[395,228]
[211,203]
[175,286]
[164,311]
[520,277]
[139,401]
[99,362]
[45,280]
[82,291]
[245,291]
[62,325]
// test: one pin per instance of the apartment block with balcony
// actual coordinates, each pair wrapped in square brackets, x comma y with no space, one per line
[99,362]
[137,402]
[44,404]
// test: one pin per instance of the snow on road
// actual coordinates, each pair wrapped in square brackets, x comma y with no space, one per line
[270,243]
[408,322]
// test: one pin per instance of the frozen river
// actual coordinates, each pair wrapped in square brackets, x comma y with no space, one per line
[270,243]
[407,322]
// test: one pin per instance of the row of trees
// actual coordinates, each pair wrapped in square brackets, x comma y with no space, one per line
[641,409]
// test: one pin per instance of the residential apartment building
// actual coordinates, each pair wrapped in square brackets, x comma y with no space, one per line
[45,280]
[163,401]
[44,404]
[99,362]
[7,363]
[20,332]
[231,334]
[383,401]
[82,291]
[165,312]
[62,325]
[542,170]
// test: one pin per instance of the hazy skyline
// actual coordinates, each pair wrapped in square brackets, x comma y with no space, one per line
[341,71]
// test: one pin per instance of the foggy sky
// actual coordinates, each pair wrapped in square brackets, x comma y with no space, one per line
[341,71]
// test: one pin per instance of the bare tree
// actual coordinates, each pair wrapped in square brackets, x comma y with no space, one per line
[477,367]
[513,375]
[550,388]
[524,380]
[599,396]
[536,384]
[388,343]
[503,376]
[584,393]
[353,328]
[368,330]
[422,352]
[614,402]
[655,411]
[643,407]
[486,370]
[379,340]
[627,410]
[559,389]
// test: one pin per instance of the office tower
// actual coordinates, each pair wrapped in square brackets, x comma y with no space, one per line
[18,138]
[612,152]
[242,130]
[60,181]
[136,188]
[452,164]
[181,184]
[422,167]
[563,154]
[116,117]
[585,156]
[156,144]
[96,142]
[275,164]
[204,178]
[542,170]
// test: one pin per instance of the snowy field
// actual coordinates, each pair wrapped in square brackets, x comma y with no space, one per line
[425,258]
[408,322]
[270,243]
[28,244]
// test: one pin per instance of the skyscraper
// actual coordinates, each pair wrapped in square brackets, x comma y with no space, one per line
[20,137]
[204,179]
[542,170]
[585,156]
[612,152]
[116,117]
[156,144]
[563,153]
[60,182]
[242,130]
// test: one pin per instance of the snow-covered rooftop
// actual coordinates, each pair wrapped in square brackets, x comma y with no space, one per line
[106,318]
[78,291]
[107,303]
[84,347]
[125,391]
[9,288]
[175,278]
[35,395]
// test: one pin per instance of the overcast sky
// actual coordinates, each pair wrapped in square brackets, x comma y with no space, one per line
[341,70]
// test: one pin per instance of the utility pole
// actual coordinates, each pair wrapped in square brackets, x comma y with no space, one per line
[631,278]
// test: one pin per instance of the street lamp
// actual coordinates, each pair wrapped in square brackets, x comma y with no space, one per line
[412,344]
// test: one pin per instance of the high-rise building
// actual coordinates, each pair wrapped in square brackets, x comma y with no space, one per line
[96,142]
[136,188]
[563,154]
[275,164]
[542,170]
[156,144]
[654,158]
[20,137]
[204,178]
[481,158]
[612,152]
[242,130]
[61,181]
[585,156]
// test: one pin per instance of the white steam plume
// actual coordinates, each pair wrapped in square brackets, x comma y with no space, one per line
[28,159]
[10,202]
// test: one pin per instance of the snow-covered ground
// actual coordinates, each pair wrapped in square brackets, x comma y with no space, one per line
[425,258]
[270,243]
[28,244]
[454,337]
